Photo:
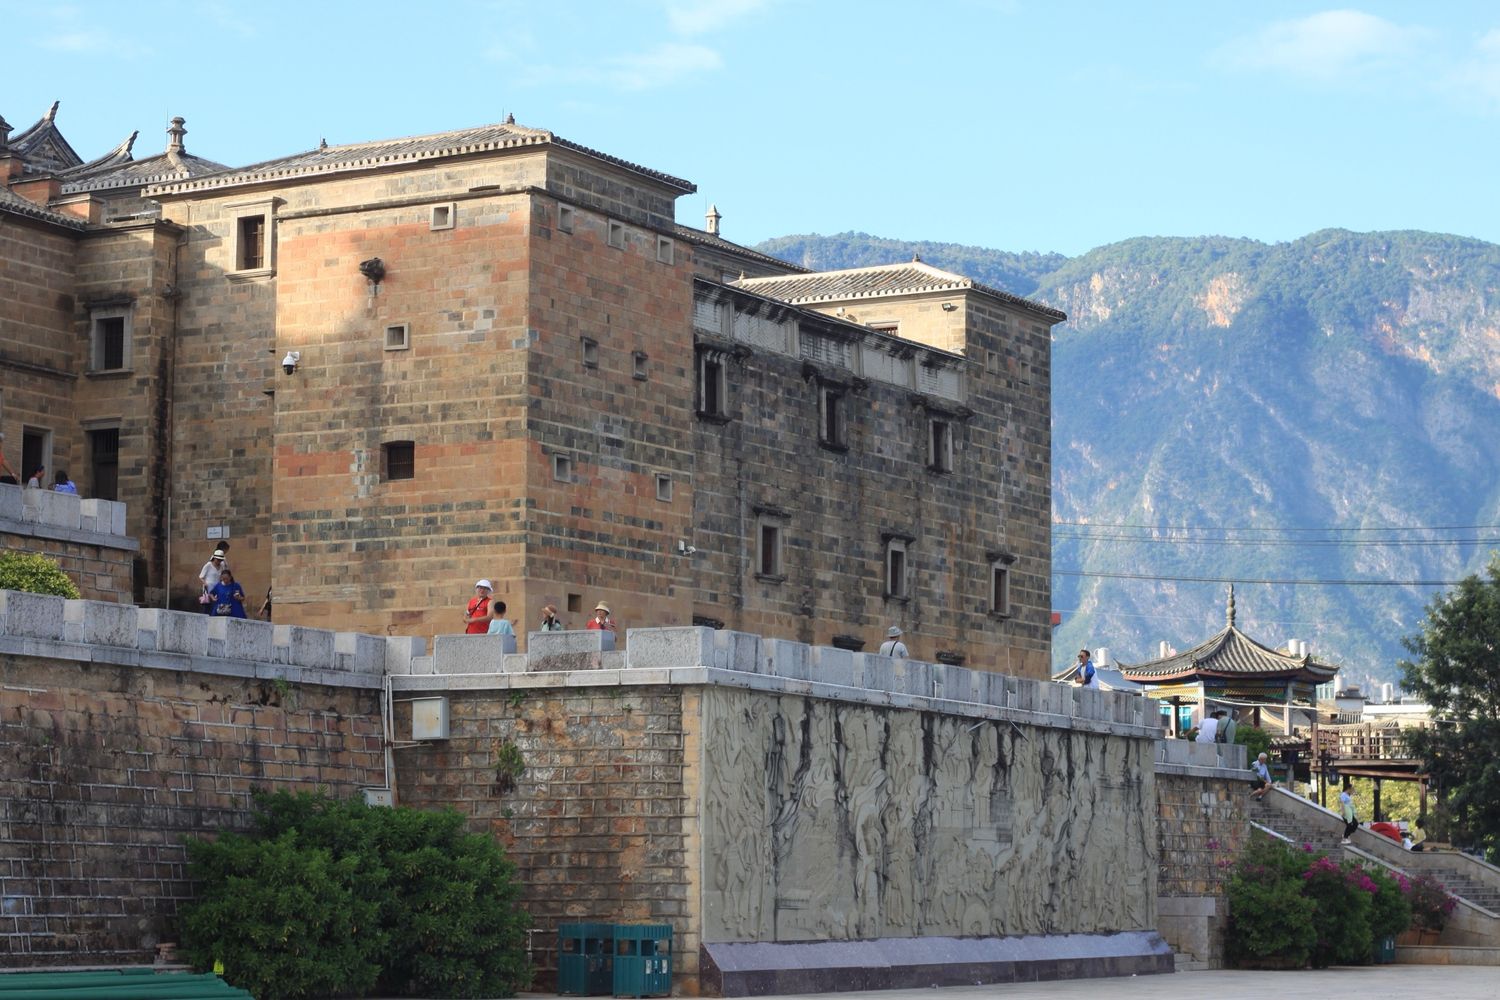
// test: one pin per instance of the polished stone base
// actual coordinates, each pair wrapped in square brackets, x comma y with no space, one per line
[747,969]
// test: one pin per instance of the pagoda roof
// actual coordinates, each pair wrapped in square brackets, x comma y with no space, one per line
[42,147]
[120,169]
[14,204]
[881,281]
[326,159]
[1233,654]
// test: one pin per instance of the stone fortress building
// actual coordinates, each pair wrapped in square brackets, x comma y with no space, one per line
[504,358]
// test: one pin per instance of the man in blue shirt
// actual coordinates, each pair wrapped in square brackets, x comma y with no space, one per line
[1262,782]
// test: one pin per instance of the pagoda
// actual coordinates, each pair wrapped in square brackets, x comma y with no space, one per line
[1233,670]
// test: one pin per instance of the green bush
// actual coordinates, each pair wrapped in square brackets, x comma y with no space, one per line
[1342,893]
[33,573]
[1270,920]
[281,918]
[1390,910]
[1255,741]
[444,901]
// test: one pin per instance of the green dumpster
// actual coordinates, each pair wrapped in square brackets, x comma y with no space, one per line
[585,959]
[643,960]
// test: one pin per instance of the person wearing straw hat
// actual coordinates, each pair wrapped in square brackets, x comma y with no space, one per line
[601,622]
[477,613]
[893,646]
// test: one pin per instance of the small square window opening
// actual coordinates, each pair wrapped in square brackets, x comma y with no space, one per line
[562,468]
[397,337]
[832,417]
[768,550]
[664,488]
[400,460]
[640,366]
[664,250]
[565,218]
[575,604]
[590,352]
[617,234]
[999,589]
[443,216]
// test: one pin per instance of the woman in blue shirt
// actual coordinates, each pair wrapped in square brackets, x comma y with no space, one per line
[228,597]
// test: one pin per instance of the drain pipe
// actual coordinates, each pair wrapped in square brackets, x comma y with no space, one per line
[388,734]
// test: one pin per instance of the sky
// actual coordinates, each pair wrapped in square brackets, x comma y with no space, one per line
[1012,124]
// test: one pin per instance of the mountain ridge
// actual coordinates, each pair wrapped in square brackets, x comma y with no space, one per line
[1225,387]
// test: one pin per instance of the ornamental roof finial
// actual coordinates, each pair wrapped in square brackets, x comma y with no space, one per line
[1229,611]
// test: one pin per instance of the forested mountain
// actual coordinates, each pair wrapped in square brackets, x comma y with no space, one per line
[1231,395]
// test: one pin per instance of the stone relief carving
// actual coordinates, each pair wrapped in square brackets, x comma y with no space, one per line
[831,821]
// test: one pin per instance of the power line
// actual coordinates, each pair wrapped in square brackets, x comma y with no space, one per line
[1304,543]
[1237,580]
[1185,527]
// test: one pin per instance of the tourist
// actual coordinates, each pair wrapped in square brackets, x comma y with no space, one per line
[208,579]
[550,621]
[228,597]
[893,646]
[62,484]
[477,613]
[499,624]
[7,474]
[1226,729]
[602,622]
[1262,783]
[1086,675]
[1208,729]
[1346,810]
[35,482]
[265,608]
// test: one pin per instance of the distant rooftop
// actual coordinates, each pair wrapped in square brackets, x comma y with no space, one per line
[880,281]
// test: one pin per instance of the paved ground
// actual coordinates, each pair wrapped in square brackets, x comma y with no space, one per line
[1373,982]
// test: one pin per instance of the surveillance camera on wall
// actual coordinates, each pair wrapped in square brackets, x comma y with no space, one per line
[290,362]
[685,549]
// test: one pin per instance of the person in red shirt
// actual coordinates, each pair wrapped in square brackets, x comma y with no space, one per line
[601,620]
[477,615]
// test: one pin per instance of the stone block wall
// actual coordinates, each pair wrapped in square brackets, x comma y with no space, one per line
[597,820]
[86,537]
[104,770]
[1202,826]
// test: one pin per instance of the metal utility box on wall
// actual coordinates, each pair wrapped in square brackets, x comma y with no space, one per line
[379,796]
[429,718]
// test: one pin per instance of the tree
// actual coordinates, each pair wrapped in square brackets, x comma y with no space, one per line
[1457,673]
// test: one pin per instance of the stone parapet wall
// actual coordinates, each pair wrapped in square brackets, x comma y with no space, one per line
[104,772]
[1202,826]
[86,537]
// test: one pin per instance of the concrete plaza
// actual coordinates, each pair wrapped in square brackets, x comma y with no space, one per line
[1398,982]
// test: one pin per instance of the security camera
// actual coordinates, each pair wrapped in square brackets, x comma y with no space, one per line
[289,363]
[685,549]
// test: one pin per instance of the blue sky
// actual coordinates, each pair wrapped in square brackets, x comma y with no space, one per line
[1015,124]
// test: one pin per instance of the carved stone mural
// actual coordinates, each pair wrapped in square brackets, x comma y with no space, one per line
[827,820]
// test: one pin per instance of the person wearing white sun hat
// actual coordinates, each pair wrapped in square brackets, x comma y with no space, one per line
[893,646]
[477,613]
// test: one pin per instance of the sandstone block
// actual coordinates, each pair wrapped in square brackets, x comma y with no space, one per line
[785,658]
[833,666]
[471,654]
[172,631]
[735,651]
[242,639]
[10,501]
[359,653]
[57,510]
[668,647]
[32,616]
[579,649]
[100,622]
[303,647]
[401,650]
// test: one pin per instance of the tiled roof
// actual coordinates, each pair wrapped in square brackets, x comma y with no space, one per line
[1230,653]
[365,155]
[120,154]
[162,168]
[883,280]
[16,205]
[707,239]
[42,147]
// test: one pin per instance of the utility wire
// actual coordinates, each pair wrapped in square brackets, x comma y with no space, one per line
[1304,543]
[1240,579]
[1412,527]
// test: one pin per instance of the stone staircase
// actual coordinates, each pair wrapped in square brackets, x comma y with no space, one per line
[1464,887]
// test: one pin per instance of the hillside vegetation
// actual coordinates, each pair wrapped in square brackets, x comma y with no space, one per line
[1229,389]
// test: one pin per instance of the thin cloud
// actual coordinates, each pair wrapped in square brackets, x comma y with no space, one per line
[77,41]
[1476,80]
[1334,44]
[665,64]
[704,16]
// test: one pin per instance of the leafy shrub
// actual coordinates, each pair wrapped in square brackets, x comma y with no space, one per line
[443,900]
[1342,894]
[281,918]
[1255,741]
[34,573]
[1390,910]
[1431,905]
[1270,920]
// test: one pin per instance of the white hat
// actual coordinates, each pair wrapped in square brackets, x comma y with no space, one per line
[893,632]
[483,583]
[601,606]
[218,554]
